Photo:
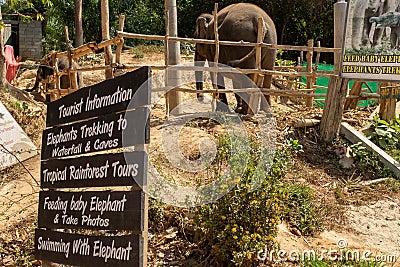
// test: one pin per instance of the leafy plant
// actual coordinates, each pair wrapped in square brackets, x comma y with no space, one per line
[19,106]
[369,162]
[299,209]
[244,221]
[386,135]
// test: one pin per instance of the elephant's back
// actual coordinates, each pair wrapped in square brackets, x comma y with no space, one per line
[239,22]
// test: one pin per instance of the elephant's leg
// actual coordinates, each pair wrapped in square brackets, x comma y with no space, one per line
[393,38]
[199,61]
[377,38]
[222,101]
[356,33]
[242,98]
[365,40]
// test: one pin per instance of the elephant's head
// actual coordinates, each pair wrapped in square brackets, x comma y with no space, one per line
[201,32]
[390,19]
[202,25]
[374,5]
[202,52]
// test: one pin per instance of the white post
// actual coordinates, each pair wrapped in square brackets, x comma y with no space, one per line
[339,22]
[172,77]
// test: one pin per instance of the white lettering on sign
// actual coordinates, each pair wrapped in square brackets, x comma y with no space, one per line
[96,204]
[55,246]
[97,128]
[78,205]
[107,144]
[54,176]
[60,137]
[124,170]
[98,221]
[81,246]
[67,151]
[121,95]
[111,252]
[74,109]
[88,172]
[55,204]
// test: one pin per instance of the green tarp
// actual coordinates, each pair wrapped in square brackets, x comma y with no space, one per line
[324,82]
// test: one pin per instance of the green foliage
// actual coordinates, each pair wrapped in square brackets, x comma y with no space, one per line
[369,162]
[299,209]
[386,135]
[19,106]
[244,221]
[302,20]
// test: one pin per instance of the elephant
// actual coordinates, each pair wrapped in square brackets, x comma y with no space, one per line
[361,28]
[236,22]
[392,20]
[46,70]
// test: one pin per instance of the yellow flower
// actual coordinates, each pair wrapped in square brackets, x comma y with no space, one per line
[234,230]
[235,237]
[223,217]
[248,255]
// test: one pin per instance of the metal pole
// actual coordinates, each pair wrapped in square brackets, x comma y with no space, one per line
[173,77]
[339,22]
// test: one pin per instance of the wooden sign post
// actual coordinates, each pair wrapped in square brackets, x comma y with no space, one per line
[82,126]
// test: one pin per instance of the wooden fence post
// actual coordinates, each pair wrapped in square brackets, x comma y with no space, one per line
[254,102]
[339,21]
[173,98]
[309,68]
[71,74]
[105,33]
[333,108]
[387,109]
[120,45]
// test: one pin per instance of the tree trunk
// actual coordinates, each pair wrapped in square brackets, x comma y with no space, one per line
[78,23]
[105,33]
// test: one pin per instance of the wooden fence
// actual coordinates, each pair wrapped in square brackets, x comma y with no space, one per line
[287,78]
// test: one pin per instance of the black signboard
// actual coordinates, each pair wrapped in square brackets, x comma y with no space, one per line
[102,133]
[84,250]
[102,118]
[121,169]
[108,210]
[130,90]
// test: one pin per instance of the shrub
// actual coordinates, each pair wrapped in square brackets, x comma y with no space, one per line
[244,221]
[299,209]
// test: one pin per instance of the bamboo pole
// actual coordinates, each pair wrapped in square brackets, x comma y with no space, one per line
[317,57]
[57,79]
[254,102]
[216,57]
[120,45]
[71,75]
[228,43]
[105,33]
[310,80]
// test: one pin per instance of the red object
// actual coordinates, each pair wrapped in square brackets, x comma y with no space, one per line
[11,63]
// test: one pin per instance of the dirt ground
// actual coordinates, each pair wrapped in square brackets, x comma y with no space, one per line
[363,218]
